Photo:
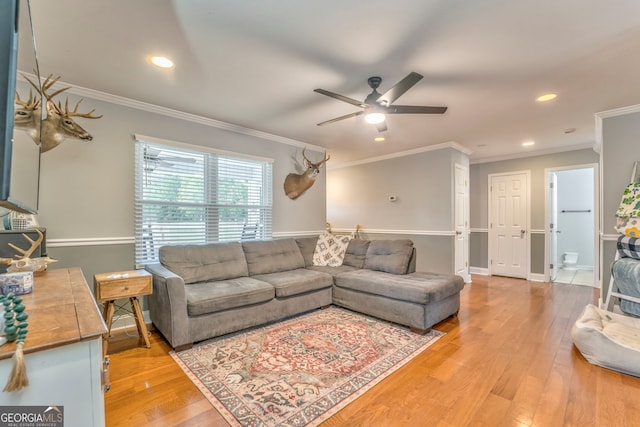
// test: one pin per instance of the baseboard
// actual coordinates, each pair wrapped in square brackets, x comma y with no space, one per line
[534,277]
[125,321]
[479,270]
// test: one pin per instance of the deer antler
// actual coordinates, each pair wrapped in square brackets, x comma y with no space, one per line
[309,162]
[306,161]
[30,104]
[46,85]
[34,245]
[75,113]
[324,160]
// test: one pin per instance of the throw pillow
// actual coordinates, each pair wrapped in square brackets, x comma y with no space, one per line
[330,249]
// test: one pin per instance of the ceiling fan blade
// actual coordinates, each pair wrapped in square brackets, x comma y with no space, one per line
[382,127]
[346,116]
[341,97]
[415,109]
[401,87]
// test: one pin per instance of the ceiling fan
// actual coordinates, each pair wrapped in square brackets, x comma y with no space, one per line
[376,106]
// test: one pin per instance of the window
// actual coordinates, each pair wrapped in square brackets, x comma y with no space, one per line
[185,195]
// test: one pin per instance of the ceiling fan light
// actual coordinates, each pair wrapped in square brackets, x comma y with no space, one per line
[374,118]
[162,62]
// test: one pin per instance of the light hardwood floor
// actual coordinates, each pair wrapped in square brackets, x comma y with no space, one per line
[506,360]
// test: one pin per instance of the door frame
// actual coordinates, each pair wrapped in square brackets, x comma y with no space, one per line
[527,254]
[466,214]
[596,218]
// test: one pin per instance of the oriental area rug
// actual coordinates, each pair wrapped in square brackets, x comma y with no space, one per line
[300,371]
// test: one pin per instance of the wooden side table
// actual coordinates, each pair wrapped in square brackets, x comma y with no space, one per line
[124,284]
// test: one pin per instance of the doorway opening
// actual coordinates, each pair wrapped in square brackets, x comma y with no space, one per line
[572,217]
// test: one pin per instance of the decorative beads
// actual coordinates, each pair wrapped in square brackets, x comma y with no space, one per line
[15,318]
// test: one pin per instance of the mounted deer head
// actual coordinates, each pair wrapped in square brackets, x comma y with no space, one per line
[27,116]
[296,184]
[58,125]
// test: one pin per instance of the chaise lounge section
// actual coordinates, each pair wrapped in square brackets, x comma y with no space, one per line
[204,291]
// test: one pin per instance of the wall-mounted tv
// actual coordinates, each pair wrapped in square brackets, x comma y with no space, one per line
[19,155]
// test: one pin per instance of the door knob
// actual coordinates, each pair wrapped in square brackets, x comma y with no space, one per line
[522,233]
[458,233]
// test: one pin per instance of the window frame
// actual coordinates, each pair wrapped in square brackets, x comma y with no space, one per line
[248,179]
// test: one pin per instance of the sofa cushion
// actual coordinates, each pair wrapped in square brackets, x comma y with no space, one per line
[356,253]
[421,288]
[307,246]
[330,249]
[295,282]
[199,263]
[390,256]
[211,297]
[272,256]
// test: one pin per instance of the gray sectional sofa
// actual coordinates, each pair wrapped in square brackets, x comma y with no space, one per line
[203,291]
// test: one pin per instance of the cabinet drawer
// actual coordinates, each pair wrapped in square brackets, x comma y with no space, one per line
[123,287]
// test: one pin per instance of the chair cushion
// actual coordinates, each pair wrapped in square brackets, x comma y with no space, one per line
[200,263]
[272,256]
[211,297]
[295,282]
[390,256]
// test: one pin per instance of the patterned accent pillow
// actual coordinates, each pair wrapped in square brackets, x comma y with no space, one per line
[628,213]
[330,249]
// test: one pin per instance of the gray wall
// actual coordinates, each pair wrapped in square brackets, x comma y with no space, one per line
[479,178]
[87,188]
[423,211]
[620,148]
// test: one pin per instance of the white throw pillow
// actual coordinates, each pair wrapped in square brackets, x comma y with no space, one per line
[330,249]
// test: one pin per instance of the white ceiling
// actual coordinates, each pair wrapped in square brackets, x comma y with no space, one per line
[255,63]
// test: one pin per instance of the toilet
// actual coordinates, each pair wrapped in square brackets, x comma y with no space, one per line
[570,260]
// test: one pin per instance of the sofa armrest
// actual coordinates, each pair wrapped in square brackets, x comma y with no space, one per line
[168,305]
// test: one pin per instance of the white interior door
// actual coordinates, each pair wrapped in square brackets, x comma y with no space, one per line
[509,225]
[553,226]
[461,222]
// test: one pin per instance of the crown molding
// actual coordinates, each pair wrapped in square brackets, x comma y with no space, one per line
[535,153]
[156,109]
[611,113]
[451,144]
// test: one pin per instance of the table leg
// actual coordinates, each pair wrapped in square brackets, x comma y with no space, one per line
[142,327]
[108,311]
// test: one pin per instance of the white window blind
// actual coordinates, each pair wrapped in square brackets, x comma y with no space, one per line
[189,196]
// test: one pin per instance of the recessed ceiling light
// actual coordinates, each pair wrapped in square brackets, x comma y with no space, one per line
[161,61]
[547,97]
[528,143]
[378,138]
